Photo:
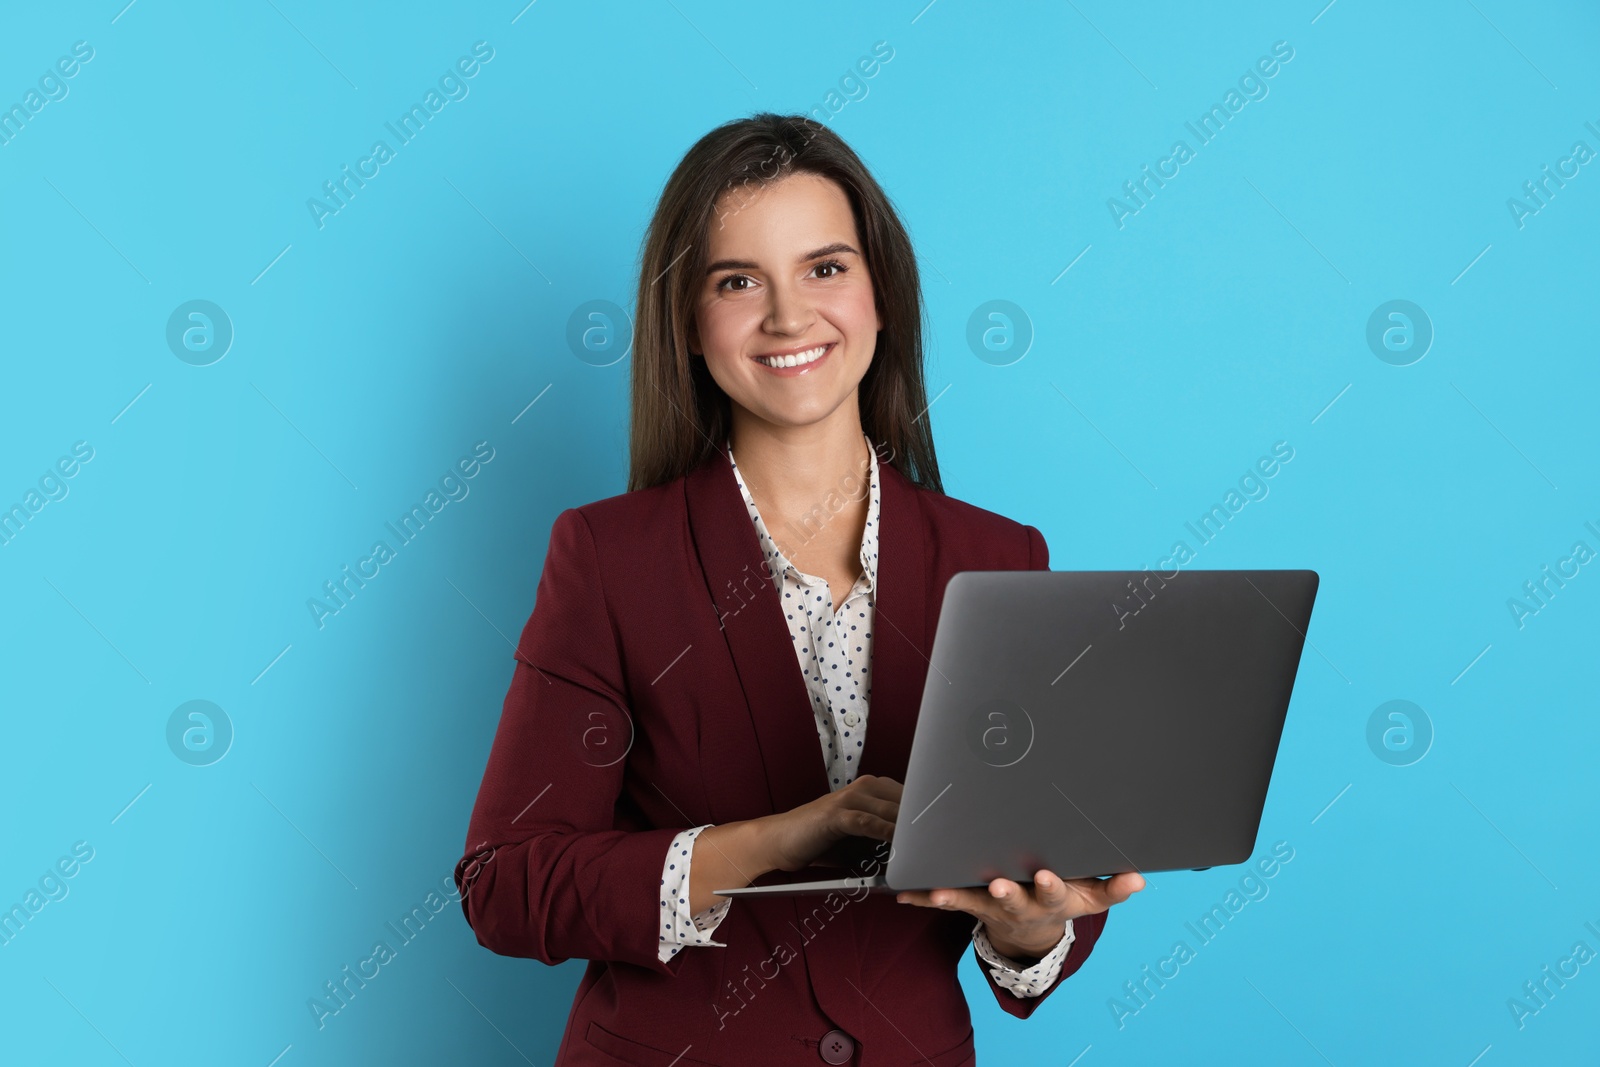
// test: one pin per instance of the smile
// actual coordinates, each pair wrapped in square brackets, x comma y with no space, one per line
[796,361]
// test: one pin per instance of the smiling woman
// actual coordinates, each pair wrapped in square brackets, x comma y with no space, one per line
[781,319]
[839,236]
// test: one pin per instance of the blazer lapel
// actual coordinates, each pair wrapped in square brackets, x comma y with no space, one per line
[752,618]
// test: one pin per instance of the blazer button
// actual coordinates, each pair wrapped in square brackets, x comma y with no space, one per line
[836,1047]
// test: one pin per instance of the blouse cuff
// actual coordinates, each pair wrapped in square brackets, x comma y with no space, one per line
[678,926]
[1011,975]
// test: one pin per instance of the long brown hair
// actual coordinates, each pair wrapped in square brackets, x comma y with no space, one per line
[679,413]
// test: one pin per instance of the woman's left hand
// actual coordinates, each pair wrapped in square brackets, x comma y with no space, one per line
[1021,924]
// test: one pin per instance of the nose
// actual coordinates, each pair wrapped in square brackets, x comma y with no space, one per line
[788,309]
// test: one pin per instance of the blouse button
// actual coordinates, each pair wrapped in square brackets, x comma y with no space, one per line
[851,718]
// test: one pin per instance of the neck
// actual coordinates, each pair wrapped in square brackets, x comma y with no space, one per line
[796,467]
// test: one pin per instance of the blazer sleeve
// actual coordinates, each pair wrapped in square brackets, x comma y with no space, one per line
[555,866]
[1086,928]
[1038,550]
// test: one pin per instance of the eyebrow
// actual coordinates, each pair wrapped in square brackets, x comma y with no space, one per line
[744,264]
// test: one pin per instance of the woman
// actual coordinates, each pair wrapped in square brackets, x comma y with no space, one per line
[710,652]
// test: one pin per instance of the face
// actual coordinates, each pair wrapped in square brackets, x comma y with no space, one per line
[787,277]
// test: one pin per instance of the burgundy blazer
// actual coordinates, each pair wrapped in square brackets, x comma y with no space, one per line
[656,688]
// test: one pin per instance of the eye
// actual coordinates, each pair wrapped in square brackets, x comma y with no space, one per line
[722,286]
[833,263]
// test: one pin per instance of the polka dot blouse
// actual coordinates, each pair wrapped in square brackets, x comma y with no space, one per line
[835,653]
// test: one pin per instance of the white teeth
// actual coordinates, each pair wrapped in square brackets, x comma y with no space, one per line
[811,355]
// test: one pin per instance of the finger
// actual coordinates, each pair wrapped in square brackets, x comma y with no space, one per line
[1013,900]
[976,902]
[887,807]
[1050,891]
[850,810]
[1120,887]
[879,786]
[1125,885]
[858,823]
[1103,893]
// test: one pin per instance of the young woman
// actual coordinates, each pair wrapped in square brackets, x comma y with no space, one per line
[721,675]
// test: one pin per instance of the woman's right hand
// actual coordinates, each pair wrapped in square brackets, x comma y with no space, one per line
[868,808]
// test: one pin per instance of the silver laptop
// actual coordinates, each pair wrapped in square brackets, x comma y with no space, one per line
[1089,723]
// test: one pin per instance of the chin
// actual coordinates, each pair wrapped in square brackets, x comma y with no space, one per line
[793,417]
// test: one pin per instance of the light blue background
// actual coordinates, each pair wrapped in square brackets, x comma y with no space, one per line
[1223,317]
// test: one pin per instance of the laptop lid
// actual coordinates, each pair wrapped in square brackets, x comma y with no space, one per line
[1094,722]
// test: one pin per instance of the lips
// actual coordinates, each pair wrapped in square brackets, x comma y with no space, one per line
[797,363]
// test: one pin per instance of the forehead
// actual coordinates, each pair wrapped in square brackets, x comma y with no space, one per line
[784,218]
